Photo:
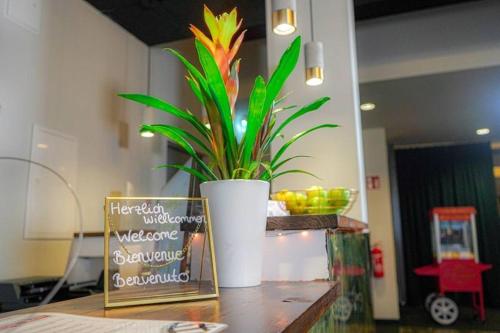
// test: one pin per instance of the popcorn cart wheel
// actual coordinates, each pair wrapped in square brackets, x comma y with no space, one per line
[457,267]
[429,299]
[444,310]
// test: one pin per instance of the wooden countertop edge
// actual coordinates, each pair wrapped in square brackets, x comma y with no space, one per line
[314,222]
[310,317]
[302,323]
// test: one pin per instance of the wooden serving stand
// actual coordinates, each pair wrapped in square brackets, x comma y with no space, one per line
[315,222]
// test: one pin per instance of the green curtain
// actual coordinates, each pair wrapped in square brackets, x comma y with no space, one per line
[460,175]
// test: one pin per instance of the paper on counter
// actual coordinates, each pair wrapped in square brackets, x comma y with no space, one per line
[64,323]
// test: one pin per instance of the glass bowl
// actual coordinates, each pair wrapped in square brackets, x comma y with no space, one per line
[317,200]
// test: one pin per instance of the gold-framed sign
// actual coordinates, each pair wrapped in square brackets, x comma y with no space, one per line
[157,250]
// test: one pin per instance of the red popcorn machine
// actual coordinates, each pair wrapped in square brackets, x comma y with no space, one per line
[457,267]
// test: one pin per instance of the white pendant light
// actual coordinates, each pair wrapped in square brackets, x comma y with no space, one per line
[284,16]
[314,63]
[314,57]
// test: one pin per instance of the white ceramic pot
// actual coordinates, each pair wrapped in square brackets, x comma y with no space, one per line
[238,210]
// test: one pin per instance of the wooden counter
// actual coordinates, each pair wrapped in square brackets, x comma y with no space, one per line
[271,307]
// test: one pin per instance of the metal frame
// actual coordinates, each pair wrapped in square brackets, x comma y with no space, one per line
[437,238]
[474,237]
[172,297]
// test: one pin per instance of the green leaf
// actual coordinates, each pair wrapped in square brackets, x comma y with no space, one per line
[169,108]
[192,70]
[277,166]
[195,88]
[282,99]
[184,168]
[270,171]
[254,118]
[306,109]
[185,135]
[276,111]
[285,67]
[293,171]
[218,93]
[297,137]
[175,136]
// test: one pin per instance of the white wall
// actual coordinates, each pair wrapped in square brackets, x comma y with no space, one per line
[66,78]
[439,40]
[167,78]
[338,156]
[295,256]
[384,290]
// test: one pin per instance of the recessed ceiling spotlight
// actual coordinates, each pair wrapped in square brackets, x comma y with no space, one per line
[367,106]
[483,131]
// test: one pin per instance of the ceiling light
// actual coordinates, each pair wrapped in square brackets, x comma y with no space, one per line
[284,16]
[367,106]
[314,63]
[483,131]
[147,134]
[42,145]
[313,53]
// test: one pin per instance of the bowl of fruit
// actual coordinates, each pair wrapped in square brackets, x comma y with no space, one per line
[317,200]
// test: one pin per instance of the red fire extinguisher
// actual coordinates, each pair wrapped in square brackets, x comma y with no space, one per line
[377,261]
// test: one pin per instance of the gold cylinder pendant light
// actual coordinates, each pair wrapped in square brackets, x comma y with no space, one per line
[314,56]
[314,63]
[284,16]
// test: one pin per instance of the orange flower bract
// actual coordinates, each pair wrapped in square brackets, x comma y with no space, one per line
[222,30]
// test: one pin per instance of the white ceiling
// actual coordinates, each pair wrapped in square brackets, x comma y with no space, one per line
[436,108]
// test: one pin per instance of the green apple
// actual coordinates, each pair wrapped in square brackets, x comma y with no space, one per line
[313,210]
[299,210]
[280,196]
[290,196]
[339,197]
[316,191]
[339,193]
[301,197]
[317,202]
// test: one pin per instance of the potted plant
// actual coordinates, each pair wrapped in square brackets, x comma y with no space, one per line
[235,175]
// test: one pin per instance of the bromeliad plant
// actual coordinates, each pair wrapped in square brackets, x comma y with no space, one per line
[216,87]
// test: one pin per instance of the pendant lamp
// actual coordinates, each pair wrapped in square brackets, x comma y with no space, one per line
[284,16]
[314,56]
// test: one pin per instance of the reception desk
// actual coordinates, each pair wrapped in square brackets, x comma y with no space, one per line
[271,307]
[340,303]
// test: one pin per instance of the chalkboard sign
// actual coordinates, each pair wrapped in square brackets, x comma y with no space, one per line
[157,250]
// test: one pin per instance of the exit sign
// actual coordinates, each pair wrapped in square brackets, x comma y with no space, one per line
[373,182]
